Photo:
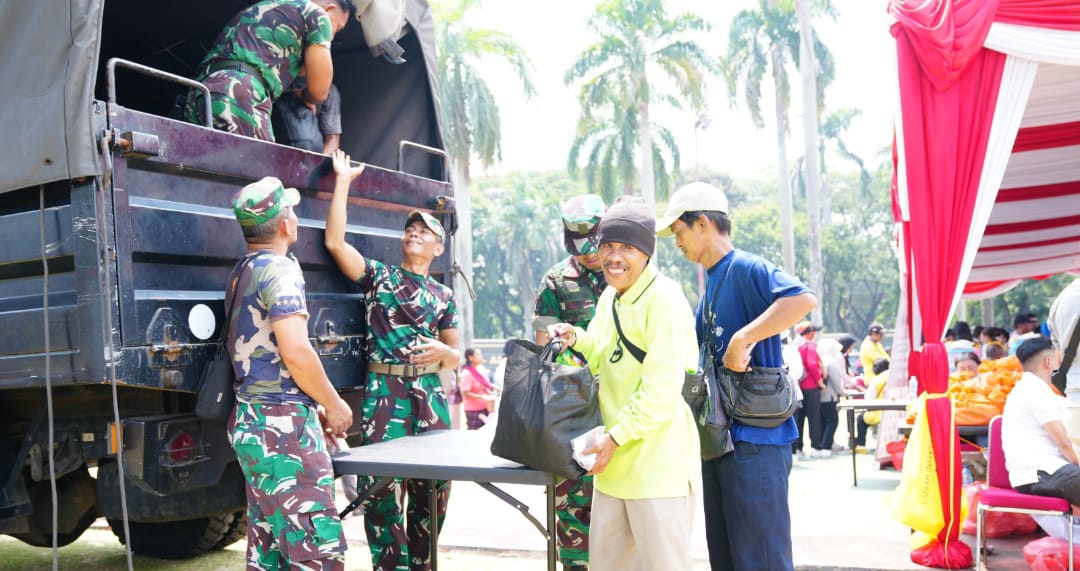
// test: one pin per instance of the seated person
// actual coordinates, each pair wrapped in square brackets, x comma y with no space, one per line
[994,350]
[967,364]
[1038,453]
[875,389]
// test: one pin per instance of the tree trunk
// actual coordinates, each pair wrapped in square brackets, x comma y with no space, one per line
[988,312]
[811,172]
[526,293]
[463,253]
[647,178]
[787,230]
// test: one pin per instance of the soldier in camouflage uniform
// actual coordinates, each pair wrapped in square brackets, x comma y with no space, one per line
[277,429]
[412,334]
[568,293]
[258,54]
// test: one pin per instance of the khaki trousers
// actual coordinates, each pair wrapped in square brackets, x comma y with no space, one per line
[640,535]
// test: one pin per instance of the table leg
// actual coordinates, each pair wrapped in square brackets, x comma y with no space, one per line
[851,443]
[552,532]
[433,510]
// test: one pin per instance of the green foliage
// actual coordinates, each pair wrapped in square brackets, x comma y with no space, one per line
[861,279]
[637,41]
[517,237]
[1029,296]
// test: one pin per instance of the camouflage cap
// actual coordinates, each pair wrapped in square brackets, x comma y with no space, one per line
[262,200]
[580,215]
[429,221]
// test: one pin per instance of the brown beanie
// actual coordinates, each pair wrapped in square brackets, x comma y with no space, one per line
[629,221]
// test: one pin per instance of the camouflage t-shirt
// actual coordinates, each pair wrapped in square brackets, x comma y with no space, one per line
[402,305]
[568,294]
[270,37]
[272,287]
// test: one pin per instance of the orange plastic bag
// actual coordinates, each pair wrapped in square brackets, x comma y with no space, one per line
[1050,554]
[976,412]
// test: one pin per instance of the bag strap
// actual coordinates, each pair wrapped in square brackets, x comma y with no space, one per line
[634,349]
[710,317]
[1058,378]
[244,268]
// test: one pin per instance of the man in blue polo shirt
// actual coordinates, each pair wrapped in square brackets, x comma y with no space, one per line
[747,522]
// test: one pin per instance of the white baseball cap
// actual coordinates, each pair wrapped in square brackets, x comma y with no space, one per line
[691,198]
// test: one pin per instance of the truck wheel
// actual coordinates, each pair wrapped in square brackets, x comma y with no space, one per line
[181,539]
[237,530]
[77,499]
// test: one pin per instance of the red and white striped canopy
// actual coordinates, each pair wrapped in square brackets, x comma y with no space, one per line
[1034,227]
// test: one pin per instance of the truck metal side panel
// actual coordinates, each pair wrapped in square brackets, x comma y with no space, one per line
[173,241]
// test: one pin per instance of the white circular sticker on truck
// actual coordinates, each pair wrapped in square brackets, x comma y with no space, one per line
[201,321]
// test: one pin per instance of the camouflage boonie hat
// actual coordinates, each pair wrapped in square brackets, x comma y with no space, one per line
[580,215]
[261,201]
[429,221]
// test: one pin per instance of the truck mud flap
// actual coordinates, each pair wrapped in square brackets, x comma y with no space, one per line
[225,495]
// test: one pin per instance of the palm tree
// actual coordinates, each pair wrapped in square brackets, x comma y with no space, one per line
[470,115]
[832,129]
[766,40]
[637,40]
[608,137]
[808,68]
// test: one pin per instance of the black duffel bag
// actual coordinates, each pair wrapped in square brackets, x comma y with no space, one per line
[544,406]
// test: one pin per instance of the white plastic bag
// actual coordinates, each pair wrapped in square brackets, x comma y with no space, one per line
[584,442]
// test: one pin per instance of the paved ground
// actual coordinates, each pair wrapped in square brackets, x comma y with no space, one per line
[835,526]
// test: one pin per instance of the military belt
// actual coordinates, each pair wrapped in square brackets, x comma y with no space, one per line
[400,370]
[233,65]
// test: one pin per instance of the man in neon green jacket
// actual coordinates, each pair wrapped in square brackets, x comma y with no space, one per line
[648,467]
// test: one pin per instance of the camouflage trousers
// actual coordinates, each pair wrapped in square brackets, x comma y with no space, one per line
[573,510]
[239,104]
[397,518]
[292,521]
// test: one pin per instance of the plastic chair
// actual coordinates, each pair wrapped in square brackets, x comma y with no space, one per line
[999,496]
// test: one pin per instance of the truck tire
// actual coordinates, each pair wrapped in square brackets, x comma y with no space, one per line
[237,530]
[181,539]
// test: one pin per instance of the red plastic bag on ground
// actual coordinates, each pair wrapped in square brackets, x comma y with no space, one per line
[896,453]
[998,524]
[953,555]
[1050,554]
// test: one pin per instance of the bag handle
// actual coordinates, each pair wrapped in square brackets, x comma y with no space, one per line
[1058,378]
[551,349]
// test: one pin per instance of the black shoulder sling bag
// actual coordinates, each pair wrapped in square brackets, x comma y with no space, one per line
[216,396]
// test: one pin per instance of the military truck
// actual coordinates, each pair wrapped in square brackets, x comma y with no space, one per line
[117,240]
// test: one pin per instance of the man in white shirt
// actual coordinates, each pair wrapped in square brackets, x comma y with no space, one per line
[1039,455]
[1064,315]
